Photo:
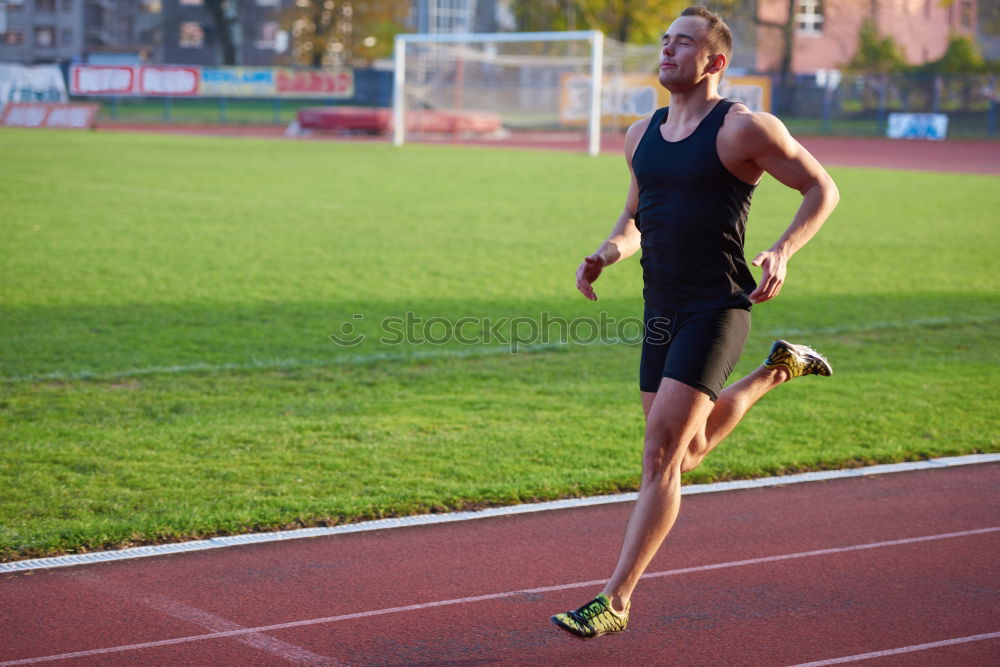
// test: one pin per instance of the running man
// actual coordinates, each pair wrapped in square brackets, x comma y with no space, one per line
[694,167]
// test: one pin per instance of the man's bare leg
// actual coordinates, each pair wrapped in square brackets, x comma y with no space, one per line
[682,427]
[733,404]
[676,416]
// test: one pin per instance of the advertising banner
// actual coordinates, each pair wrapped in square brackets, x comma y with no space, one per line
[193,81]
[917,126]
[166,80]
[36,114]
[337,83]
[102,80]
[40,83]
[237,82]
[277,82]
[630,97]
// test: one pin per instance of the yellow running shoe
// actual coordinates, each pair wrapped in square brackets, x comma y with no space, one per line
[593,619]
[798,359]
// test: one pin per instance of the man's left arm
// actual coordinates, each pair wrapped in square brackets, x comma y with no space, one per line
[773,149]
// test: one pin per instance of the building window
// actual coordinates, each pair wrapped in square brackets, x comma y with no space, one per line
[66,36]
[192,35]
[450,16]
[12,38]
[267,35]
[67,6]
[48,6]
[45,37]
[193,3]
[809,19]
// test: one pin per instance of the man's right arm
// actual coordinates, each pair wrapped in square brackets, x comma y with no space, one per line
[623,242]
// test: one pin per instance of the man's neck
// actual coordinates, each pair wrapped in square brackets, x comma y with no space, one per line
[693,104]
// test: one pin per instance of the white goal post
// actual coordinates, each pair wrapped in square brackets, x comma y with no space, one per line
[457,75]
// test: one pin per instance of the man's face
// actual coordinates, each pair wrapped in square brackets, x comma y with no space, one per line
[684,56]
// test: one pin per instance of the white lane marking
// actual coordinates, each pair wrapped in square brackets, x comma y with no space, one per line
[492,596]
[289,652]
[904,649]
[431,519]
[823,552]
[471,351]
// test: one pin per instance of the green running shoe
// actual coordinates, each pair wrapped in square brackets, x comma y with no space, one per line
[798,359]
[593,619]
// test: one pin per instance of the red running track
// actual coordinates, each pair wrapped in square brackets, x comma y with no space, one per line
[953,155]
[775,576]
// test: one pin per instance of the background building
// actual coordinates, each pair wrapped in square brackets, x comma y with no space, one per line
[121,30]
[50,31]
[41,31]
[826,33]
[452,16]
[190,36]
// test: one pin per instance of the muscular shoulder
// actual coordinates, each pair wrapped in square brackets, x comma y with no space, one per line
[633,135]
[753,133]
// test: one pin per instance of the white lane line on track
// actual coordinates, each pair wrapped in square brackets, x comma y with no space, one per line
[905,649]
[286,651]
[448,517]
[492,596]
[474,351]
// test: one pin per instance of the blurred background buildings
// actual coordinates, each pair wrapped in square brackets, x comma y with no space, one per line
[797,36]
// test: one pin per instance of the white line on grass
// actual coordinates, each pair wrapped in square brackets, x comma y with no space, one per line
[429,519]
[883,326]
[495,596]
[473,351]
[286,364]
[215,195]
[904,649]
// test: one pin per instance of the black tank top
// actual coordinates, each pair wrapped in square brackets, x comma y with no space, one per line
[692,215]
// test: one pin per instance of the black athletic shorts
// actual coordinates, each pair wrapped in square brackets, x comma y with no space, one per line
[698,349]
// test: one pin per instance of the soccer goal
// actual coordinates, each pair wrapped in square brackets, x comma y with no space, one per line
[531,86]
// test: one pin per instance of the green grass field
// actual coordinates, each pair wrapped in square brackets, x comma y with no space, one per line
[167,305]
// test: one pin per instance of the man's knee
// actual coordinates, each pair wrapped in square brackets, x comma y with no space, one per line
[677,416]
[660,453]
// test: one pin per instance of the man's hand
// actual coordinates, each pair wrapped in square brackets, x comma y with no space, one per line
[774,265]
[588,272]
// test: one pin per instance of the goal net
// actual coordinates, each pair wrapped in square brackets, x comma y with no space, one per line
[563,88]
[522,87]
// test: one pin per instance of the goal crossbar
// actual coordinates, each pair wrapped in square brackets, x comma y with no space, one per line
[594,37]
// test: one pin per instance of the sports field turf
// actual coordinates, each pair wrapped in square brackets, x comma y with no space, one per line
[167,306]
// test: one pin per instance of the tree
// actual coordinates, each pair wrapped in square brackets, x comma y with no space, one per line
[634,21]
[961,57]
[346,32]
[786,81]
[989,17]
[225,16]
[750,11]
[875,54]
